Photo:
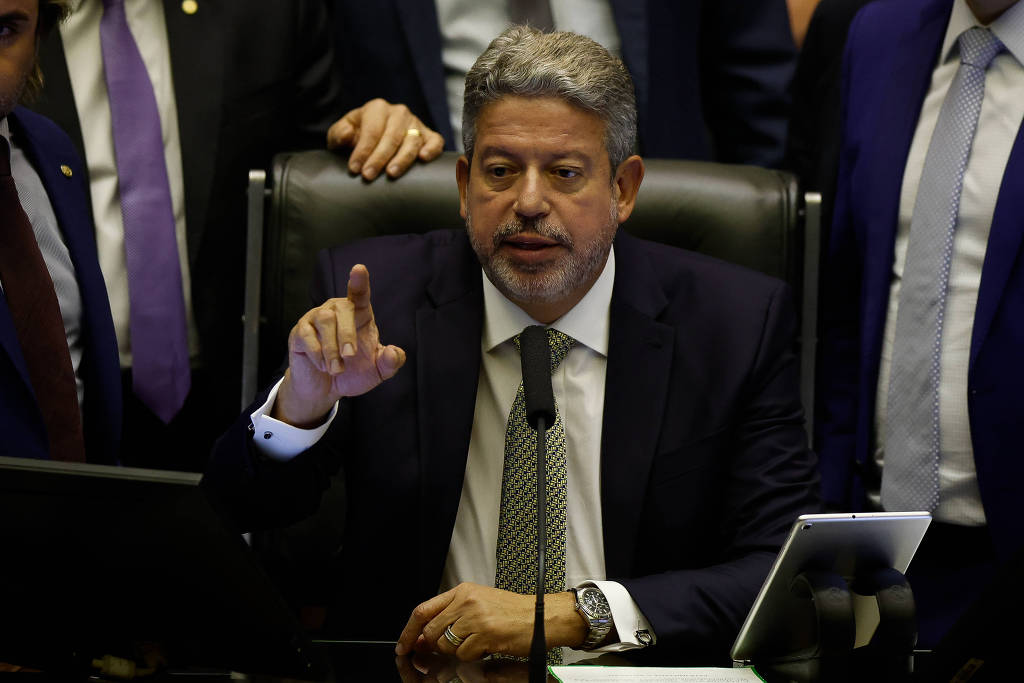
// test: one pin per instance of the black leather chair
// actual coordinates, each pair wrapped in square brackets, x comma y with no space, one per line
[744,214]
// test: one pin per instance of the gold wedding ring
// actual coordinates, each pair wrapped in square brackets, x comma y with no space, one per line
[450,636]
[415,132]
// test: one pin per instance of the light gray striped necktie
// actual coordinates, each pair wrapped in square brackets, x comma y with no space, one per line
[910,477]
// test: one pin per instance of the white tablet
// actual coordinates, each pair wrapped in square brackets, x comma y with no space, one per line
[844,543]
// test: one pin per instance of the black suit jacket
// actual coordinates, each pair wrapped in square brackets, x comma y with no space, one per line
[250,79]
[711,76]
[704,461]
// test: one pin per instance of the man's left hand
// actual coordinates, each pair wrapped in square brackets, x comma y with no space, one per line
[489,621]
[382,135]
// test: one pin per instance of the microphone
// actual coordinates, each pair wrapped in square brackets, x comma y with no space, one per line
[535,355]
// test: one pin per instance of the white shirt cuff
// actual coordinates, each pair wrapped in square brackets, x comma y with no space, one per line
[630,623]
[281,441]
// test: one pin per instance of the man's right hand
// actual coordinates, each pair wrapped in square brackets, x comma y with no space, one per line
[334,351]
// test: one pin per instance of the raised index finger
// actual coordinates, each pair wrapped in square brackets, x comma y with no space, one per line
[359,293]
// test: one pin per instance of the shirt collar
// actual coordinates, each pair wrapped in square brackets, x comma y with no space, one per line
[586,322]
[1009,28]
[5,128]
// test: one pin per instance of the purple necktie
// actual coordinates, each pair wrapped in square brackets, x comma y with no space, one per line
[159,339]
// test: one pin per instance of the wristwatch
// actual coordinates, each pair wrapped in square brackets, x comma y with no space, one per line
[593,607]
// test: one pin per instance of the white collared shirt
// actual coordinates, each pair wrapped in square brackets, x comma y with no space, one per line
[578,386]
[1002,111]
[80,35]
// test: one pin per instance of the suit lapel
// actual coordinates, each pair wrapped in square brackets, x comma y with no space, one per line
[907,80]
[1004,242]
[47,163]
[631,21]
[196,47]
[448,333]
[639,357]
[99,369]
[423,35]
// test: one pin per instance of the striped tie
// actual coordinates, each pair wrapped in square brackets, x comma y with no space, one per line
[910,476]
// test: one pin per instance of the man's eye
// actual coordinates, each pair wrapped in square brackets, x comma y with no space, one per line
[567,173]
[499,171]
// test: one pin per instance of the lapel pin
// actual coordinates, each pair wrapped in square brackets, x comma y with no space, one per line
[66,170]
[190,6]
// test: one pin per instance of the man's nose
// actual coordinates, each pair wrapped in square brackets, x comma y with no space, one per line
[531,199]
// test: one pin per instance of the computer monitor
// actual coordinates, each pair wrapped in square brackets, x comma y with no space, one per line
[99,560]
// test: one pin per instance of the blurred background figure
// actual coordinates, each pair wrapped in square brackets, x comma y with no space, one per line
[711,77]
[171,103]
[60,397]
[920,368]
[812,146]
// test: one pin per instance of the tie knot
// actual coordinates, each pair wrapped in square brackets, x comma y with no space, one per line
[979,46]
[560,344]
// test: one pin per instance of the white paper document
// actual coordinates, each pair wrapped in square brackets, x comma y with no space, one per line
[638,674]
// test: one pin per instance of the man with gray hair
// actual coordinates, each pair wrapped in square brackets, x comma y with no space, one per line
[677,460]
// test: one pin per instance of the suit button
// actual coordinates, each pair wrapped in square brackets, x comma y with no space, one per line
[267,435]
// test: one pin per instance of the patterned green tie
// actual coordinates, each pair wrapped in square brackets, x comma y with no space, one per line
[517,523]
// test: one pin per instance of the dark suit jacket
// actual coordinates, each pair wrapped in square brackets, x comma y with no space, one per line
[812,146]
[704,464]
[250,79]
[891,51]
[24,433]
[710,76]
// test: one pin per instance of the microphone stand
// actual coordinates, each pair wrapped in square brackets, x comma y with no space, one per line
[538,647]
[539,401]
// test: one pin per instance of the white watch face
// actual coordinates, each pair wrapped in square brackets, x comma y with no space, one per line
[594,603]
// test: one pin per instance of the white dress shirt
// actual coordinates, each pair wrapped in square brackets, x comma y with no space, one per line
[80,35]
[1002,110]
[36,205]
[469,26]
[578,386]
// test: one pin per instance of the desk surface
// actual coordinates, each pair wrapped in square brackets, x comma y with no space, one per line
[375,661]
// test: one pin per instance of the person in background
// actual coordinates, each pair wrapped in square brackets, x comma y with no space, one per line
[60,394]
[920,365]
[711,76]
[677,461]
[171,103]
[812,144]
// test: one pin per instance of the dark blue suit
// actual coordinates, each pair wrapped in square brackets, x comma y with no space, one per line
[711,76]
[24,434]
[891,51]
[703,461]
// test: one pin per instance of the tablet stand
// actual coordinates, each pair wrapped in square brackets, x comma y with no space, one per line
[829,655]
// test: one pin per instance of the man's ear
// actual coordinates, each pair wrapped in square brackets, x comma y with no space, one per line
[628,177]
[462,178]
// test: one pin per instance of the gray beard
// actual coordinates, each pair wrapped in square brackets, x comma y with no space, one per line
[548,282]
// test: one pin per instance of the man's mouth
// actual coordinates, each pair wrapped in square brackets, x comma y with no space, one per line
[530,242]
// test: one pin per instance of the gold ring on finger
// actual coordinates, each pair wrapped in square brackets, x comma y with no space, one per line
[414,132]
[450,636]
